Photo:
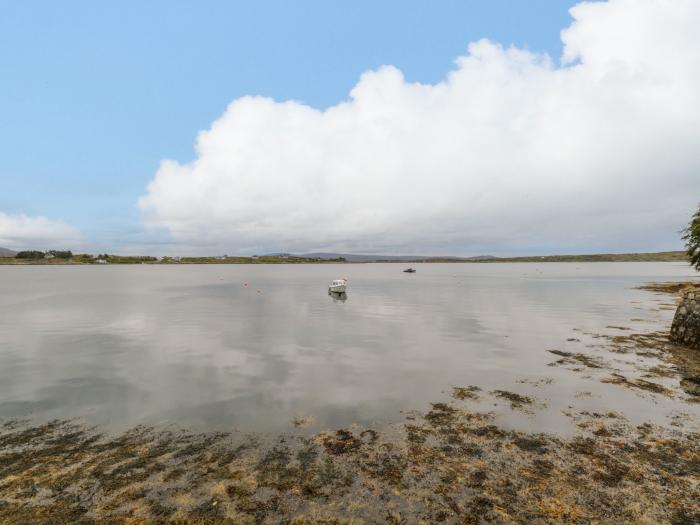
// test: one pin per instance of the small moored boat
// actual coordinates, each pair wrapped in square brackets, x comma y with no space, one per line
[409,270]
[338,296]
[338,286]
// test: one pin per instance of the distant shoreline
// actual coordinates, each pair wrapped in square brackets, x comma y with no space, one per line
[82,259]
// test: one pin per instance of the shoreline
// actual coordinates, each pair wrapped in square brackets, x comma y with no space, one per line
[450,462]
[85,259]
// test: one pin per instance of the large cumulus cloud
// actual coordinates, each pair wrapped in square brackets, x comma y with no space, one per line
[512,152]
[19,231]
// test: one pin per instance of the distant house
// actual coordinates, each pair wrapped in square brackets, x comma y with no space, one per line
[175,258]
[100,261]
[48,256]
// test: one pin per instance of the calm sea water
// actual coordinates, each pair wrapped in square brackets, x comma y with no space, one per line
[195,347]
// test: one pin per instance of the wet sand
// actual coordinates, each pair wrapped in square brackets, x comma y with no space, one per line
[451,462]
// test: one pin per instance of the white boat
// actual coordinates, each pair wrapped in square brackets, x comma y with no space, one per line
[338,286]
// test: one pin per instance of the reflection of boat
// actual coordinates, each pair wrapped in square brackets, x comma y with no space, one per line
[338,285]
[338,296]
[409,270]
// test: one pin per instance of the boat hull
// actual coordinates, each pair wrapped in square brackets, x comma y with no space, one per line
[338,296]
[338,288]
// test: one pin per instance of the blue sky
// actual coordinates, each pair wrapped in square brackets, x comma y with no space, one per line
[94,95]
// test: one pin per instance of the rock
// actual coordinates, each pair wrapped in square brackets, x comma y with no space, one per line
[685,329]
[691,385]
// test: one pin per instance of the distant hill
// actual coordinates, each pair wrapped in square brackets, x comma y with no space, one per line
[602,257]
[8,257]
[356,257]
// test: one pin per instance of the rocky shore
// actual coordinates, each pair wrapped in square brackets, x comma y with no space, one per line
[685,329]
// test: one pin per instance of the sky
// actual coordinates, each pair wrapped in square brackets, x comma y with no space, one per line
[396,127]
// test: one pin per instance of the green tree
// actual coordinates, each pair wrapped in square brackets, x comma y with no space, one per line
[61,254]
[691,236]
[30,254]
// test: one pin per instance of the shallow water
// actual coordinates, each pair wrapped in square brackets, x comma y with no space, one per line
[193,346]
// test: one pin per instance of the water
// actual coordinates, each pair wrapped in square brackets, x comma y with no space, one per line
[194,347]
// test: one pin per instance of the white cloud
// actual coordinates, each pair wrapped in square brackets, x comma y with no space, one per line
[37,233]
[509,153]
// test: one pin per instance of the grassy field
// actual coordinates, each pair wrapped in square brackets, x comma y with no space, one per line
[290,259]
[600,257]
[126,259]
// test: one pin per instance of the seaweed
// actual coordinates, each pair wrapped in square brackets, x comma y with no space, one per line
[447,464]
[516,400]
[466,392]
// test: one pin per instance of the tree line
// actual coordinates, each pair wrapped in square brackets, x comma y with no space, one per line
[34,254]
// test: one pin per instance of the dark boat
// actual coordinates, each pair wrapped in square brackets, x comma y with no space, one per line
[409,270]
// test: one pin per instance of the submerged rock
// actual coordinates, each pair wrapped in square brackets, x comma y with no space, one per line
[685,329]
